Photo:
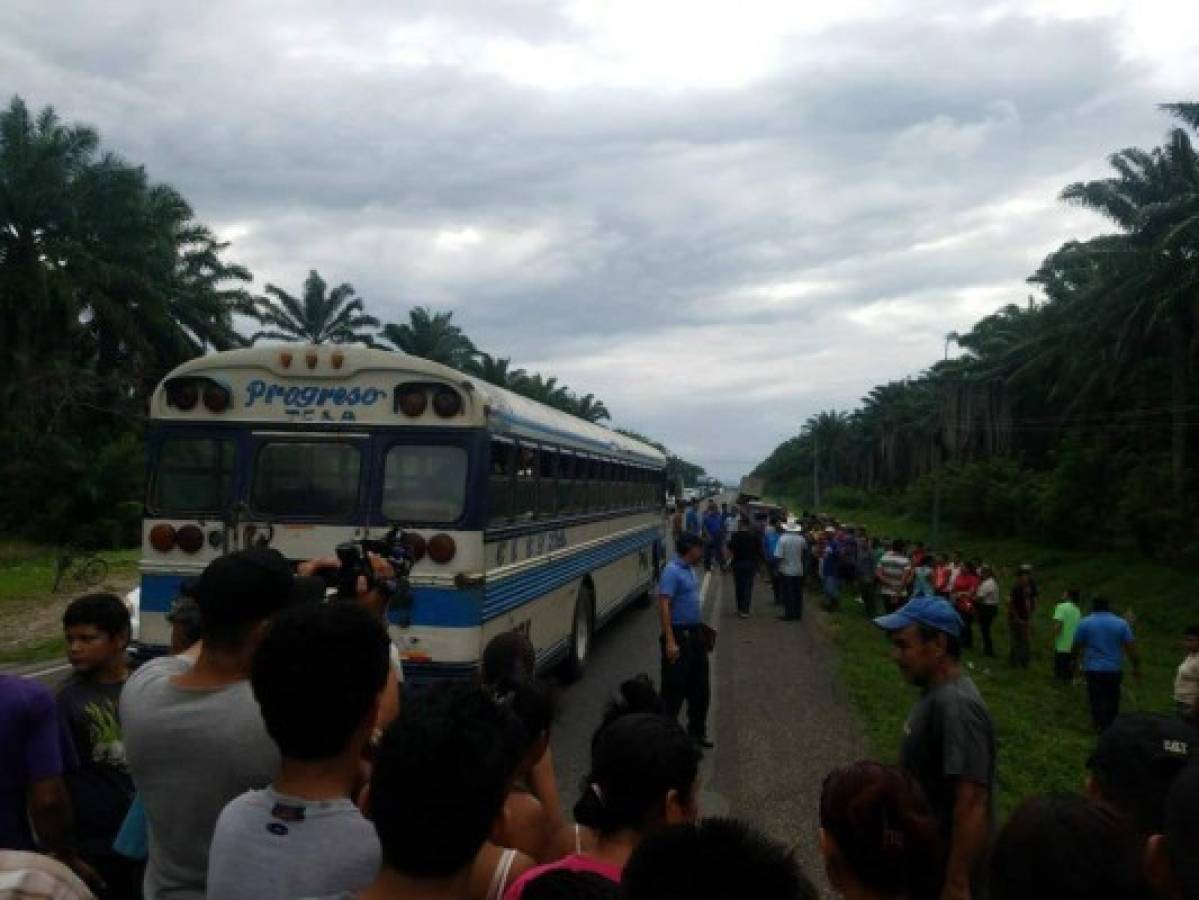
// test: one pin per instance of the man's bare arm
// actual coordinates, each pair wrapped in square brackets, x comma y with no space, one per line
[971,827]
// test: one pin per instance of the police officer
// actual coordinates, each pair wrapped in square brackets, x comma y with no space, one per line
[684,640]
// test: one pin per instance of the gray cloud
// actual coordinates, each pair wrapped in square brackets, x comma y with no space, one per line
[716,262]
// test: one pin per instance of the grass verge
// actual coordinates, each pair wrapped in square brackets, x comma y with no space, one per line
[1043,728]
[30,611]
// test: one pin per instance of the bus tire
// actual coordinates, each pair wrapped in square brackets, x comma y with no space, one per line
[582,632]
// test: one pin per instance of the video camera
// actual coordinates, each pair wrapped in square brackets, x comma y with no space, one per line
[355,564]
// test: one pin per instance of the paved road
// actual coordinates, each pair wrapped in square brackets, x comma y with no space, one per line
[781,719]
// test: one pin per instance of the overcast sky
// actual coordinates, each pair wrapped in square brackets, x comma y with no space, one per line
[718,217]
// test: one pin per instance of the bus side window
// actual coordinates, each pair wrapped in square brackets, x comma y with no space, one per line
[582,491]
[526,482]
[622,486]
[566,476]
[500,492]
[547,494]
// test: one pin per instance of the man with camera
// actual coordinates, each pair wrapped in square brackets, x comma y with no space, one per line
[194,734]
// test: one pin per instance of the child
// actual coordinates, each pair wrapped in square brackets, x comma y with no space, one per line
[100,787]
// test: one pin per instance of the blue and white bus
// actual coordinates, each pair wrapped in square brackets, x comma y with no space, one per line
[520,516]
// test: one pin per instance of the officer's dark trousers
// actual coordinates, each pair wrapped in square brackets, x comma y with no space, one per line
[1103,690]
[686,679]
[792,596]
[743,582]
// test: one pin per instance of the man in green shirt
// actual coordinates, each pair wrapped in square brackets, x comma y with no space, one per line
[1065,621]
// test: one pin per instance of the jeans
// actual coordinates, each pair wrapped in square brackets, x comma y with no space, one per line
[743,583]
[967,637]
[986,618]
[776,584]
[1103,690]
[832,590]
[792,596]
[687,679]
[869,595]
[1063,666]
[713,549]
[1021,652]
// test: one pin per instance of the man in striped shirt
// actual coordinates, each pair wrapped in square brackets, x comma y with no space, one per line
[891,574]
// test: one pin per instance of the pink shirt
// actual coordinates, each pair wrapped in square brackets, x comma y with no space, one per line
[574,863]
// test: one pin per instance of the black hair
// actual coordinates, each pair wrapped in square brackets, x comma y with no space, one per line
[1100,604]
[713,860]
[897,546]
[885,832]
[686,541]
[509,656]
[1073,595]
[1067,847]
[316,676]
[637,695]
[441,774]
[953,644]
[635,761]
[1192,631]
[533,704]
[1182,830]
[102,610]
[566,884]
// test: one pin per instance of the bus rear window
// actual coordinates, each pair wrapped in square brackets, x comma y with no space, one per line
[317,480]
[424,484]
[193,475]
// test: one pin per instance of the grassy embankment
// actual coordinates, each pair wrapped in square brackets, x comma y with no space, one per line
[1043,728]
[30,613]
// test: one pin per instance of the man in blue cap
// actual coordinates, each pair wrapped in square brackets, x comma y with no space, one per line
[949,740]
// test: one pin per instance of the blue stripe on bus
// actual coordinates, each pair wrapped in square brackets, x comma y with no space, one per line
[453,608]
[158,591]
[510,593]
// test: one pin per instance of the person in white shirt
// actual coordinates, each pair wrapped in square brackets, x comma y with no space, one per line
[790,553]
[986,606]
[1186,682]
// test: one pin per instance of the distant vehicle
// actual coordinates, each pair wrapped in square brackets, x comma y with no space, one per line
[751,489]
[520,517]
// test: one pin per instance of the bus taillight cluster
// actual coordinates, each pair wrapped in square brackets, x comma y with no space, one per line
[165,538]
[185,393]
[412,399]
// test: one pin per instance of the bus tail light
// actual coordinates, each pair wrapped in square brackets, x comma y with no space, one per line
[162,537]
[442,548]
[412,400]
[189,538]
[447,403]
[416,546]
[216,398]
[183,395]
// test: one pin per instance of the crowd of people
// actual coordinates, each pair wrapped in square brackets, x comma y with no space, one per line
[817,553]
[273,754]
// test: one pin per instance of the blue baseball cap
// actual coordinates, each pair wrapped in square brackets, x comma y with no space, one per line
[932,612]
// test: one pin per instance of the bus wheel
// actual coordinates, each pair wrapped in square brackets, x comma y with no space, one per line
[581,634]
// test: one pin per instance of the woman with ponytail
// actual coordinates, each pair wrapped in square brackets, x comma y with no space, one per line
[878,836]
[644,776]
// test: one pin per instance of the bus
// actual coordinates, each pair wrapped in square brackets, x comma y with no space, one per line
[519,516]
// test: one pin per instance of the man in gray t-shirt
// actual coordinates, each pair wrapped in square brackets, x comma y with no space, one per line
[193,735]
[319,678]
[949,740]
[192,750]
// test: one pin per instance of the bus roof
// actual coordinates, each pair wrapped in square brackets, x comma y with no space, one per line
[339,384]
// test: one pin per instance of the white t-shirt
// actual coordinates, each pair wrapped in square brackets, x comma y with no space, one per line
[987,593]
[790,554]
[1186,682]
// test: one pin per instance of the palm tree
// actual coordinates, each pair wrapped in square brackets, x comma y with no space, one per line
[433,336]
[495,370]
[589,408]
[322,316]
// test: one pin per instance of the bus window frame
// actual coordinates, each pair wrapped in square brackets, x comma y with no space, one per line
[161,435]
[387,441]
